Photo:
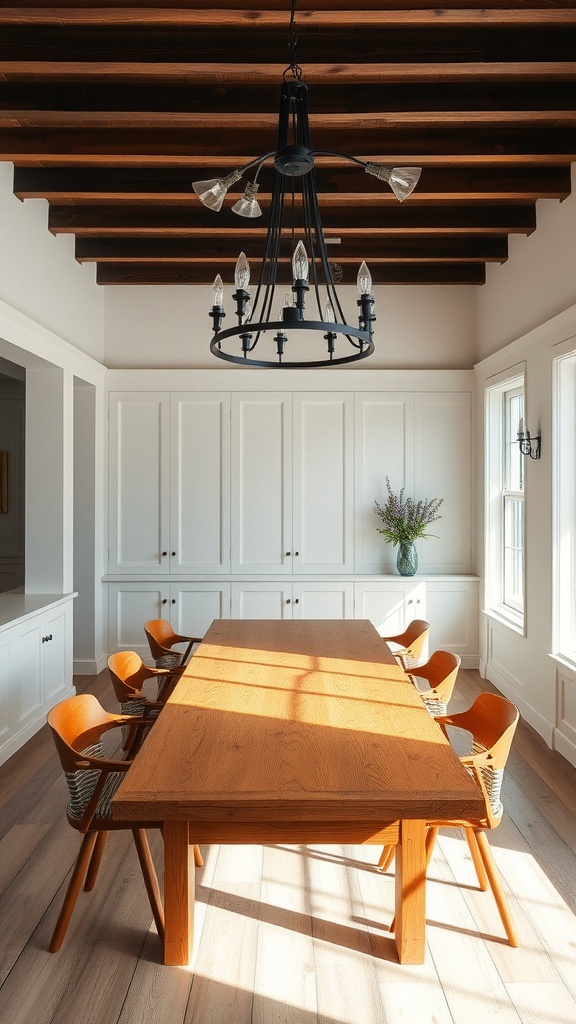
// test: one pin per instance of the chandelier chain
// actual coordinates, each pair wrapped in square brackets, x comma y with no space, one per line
[293,68]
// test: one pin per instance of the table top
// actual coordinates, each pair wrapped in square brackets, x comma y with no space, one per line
[295,720]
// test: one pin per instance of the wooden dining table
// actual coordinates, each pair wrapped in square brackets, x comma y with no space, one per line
[295,731]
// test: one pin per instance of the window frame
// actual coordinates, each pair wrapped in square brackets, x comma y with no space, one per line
[564,492]
[505,557]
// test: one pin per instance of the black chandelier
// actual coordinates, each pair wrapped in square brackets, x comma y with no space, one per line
[295,227]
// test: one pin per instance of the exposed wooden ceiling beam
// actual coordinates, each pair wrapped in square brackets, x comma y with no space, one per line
[204,273]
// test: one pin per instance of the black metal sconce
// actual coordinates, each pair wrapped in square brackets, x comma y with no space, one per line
[529,445]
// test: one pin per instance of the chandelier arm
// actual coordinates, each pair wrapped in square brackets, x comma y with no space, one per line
[343,156]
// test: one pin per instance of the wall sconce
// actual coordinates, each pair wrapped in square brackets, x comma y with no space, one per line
[528,445]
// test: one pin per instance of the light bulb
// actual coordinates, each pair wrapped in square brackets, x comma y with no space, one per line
[218,291]
[329,316]
[212,191]
[402,180]
[300,263]
[364,280]
[242,273]
[248,205]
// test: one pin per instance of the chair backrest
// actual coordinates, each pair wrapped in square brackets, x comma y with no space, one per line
[160,636]
[411,642]
[491,722]
[440,673]
[128,674]
[77,725]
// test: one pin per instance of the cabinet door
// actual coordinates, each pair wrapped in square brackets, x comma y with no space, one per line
[139,482]
[200,483]
[28,674]
[56,651]
[384,440]
[6,685]
[194,606]
[261,483]
[323,483]
[442,425]
[453,613]
[261,600]
[130,605]
[390,606]
[323,600]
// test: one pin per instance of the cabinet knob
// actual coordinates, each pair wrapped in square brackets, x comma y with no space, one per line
[297,599]
[288,553]
[296,553]
[287,600]
[164,553]
[45,639]
[173,600]
[164,600]
[411,601]
[173,553]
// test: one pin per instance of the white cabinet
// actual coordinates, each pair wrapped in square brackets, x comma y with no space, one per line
[169,483]
[449,604]
[421,441]
[35,665]
[292,483]
[278,599]
[189,607]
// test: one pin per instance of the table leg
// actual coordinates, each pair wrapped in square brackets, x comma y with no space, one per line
[410,876]
[178,894]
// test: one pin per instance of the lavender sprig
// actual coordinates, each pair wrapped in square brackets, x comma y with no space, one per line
[404,519]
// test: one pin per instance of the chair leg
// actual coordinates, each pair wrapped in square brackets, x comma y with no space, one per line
[496,886]
[74,886]
[476,857]
[95,861]
[150,878]
[386,858]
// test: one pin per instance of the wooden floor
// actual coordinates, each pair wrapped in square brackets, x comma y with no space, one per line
[291,935]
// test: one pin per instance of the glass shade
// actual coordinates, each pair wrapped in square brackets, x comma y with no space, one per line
[242,273]
[248,205]
[212,191]
[364,280]
[402,180]
[300,263]
[218,291]
[247,312]
[329,316]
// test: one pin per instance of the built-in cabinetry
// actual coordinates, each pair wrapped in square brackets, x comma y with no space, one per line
[226,501]
[35,663]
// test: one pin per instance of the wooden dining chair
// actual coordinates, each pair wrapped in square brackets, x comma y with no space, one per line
[439,675]
[407,647]
[489,727]
[162,638]
[78,724]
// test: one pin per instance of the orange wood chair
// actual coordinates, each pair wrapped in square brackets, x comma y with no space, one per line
[78,725]
[162,638]
[439,673]
[490,724]
[129,676]
[408,646]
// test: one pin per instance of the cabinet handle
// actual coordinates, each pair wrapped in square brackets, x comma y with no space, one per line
[173,600]
[45,639]
[297,599]
[164,553]
[288,553]
[173,553]
[164,600]
[411,601]
[296,553]
[287,600]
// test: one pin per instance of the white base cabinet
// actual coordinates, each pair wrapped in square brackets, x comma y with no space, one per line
[35,663]
[450,605]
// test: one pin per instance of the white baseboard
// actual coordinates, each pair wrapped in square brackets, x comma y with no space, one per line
[89,667]
[565,747]
[17,741]
[470,661]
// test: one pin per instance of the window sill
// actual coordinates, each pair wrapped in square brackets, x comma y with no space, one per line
[516,624]
[565,662]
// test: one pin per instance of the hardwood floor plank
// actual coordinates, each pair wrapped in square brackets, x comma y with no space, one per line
[16,849]
[536,1002]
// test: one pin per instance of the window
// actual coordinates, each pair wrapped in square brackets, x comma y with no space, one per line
[505,501]
[565,507]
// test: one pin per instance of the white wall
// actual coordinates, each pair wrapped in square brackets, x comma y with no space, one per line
[537,283]
[420,327]
[40,277]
